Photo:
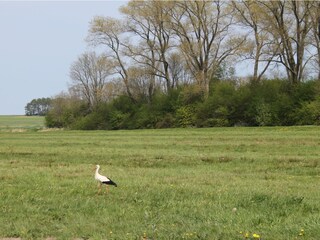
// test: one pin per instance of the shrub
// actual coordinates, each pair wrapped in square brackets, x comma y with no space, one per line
[64,112]
[165,103]
[268,100]
[238,110]
[190,94]
[265,103]
[308,113]
[117,120]
[92,121]
[186,116]
[142,117]
[167,121]
[220,119]
[263,114]
[217,108]
[123,104]
[52,121]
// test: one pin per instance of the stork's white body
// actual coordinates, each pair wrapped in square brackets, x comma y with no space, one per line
[100,178]
[103,179]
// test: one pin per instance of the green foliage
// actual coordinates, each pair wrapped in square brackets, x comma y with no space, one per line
[190,94]
[118,119]
[263,114]
[166,103]
[217,109]
[167,121]
[308,113]
[38,107]
[219,118]
[92,121]
[185,116]
[65,111]
[264,103]
[123,103]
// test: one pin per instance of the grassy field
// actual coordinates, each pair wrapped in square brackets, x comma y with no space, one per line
[16,123]
[172,184]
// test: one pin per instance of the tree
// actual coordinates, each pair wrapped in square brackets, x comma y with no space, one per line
[65,109]
[315,36]
[90,74]
[38,107]
[203,28]
[141,83]
[108,32]
[179,72]
[289,24]
[149,20]
[261,48]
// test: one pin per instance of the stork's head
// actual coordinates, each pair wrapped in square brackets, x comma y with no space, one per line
[96,168]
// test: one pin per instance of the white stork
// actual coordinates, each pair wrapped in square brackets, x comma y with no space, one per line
[103,180]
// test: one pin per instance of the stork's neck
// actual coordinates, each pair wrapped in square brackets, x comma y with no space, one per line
[97,170]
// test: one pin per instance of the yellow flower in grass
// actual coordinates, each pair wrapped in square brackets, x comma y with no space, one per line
[246,235]
[301,232]
[144,236]
[256,236]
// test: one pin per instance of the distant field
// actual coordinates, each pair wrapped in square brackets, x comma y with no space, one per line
[20,122]
[218,183]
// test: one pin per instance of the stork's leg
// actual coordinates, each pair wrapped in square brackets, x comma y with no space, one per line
[99,188]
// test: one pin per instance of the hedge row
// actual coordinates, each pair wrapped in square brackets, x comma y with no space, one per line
[268,103]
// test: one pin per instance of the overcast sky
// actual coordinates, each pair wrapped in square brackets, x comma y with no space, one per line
[39,41]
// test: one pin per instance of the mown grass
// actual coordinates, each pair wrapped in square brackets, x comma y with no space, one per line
[20,123]
[172,184]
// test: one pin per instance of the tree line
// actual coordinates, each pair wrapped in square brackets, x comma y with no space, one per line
[172,64]
[38,107]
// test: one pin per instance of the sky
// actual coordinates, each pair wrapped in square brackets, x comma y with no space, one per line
[39,41]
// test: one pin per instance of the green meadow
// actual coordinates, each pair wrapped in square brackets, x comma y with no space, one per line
[20,122]
[216,183]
